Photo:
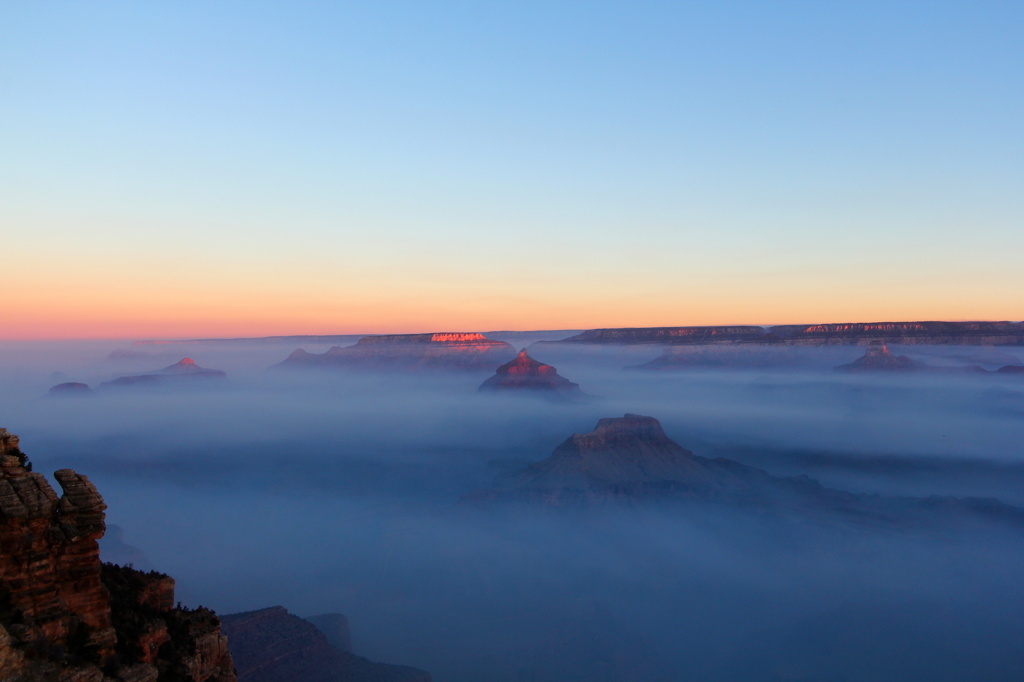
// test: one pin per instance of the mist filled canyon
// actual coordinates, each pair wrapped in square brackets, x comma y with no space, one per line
[371,493]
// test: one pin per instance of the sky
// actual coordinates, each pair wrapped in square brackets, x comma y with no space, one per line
[191,169]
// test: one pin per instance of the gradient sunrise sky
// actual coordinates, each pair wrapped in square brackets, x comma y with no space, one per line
[182,169]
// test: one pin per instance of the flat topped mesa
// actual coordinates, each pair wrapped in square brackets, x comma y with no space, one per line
[620,451]
[447,338]
[525,373]
[878,358]
[405,352]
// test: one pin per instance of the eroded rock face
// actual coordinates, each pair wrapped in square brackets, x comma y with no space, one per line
[272,645]
[878,358]
[526,374]
[443,350]
[49,558]
[63,614]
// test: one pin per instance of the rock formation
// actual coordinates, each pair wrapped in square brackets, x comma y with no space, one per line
[184,370]
[70,389]
[64,616]
[447,350]
[622,456]
[843,334]
[272,645]
[630,460]
[878,358]
[526,374]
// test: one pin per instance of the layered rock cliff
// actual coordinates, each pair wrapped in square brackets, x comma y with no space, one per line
[64,615]
[526,374]
[847,334]
[683,335]
[272,645]
[443,350]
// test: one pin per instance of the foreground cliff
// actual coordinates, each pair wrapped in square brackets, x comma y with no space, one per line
[65,616]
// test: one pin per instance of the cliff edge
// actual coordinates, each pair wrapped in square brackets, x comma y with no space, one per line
[65,616]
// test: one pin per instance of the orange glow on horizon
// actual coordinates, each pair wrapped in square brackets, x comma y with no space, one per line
[149,324]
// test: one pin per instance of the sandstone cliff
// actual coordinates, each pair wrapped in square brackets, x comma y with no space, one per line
[444,350]
[64,615]
[526,374]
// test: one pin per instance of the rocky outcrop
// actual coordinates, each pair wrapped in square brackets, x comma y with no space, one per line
[182,372]
[70,389]
[64,615]
[272,645]
[524,374]
[878,358]
[445,350]
[630,460]
[842,334]
[622,457]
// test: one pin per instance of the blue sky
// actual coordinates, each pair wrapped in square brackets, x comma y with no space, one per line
[403,165]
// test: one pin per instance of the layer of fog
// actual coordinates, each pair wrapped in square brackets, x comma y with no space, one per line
[339,492]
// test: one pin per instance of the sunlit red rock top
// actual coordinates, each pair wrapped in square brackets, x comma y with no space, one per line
[524,364]
[523,372]
[439,338]
[404,352]
[187,366]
